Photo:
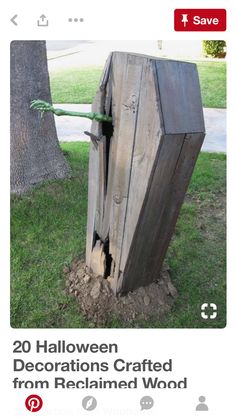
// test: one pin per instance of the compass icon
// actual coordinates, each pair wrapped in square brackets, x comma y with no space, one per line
[89,403]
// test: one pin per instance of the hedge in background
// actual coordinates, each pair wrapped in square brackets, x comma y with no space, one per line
[214,48]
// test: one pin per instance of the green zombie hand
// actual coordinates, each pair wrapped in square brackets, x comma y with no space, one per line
[43,107]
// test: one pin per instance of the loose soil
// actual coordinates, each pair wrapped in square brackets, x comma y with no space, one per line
[99,305]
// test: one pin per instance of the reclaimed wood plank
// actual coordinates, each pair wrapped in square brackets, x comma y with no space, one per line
[138,270]
[118,62]
[180,181]
[124,154]
[101,187]
[97,167]
[93,183]
[180,96]
[147,138]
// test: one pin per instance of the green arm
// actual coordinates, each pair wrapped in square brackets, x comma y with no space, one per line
[42,106]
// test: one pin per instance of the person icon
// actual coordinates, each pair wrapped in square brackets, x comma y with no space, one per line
[202,406]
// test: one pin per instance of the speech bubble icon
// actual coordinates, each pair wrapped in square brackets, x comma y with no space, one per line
[146,402]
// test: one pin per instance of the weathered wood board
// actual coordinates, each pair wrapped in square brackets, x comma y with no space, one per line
[140,172]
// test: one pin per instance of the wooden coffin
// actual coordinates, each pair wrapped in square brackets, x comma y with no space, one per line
[140,171]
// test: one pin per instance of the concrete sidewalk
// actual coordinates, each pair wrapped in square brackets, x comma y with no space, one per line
[215,123]
[72,128]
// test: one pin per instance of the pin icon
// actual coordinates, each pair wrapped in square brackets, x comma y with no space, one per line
[184,19]
[33,403]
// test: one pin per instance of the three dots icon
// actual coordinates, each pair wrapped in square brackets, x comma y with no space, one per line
[75,20]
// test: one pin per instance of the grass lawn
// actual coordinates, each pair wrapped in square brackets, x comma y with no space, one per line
[80,85]
[48,230]
[213,83]
[75,85]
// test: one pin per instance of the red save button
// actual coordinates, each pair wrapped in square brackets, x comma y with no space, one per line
[200,20]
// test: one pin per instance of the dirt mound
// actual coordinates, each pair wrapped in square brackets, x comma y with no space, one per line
[99,305]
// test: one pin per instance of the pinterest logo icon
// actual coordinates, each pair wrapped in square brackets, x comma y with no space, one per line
[33,403]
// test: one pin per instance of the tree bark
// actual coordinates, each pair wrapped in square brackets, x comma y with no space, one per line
[35,150]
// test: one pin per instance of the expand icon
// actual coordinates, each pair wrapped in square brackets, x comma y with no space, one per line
[208,311]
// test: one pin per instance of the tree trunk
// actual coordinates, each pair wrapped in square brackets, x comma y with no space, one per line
[35,151]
